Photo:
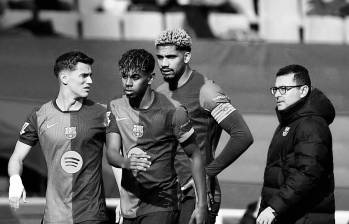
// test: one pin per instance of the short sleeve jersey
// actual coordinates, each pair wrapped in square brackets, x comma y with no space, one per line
[207,106]
[156,131]
[72,144]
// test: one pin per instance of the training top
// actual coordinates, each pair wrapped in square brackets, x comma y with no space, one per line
[72,144]
[156,131]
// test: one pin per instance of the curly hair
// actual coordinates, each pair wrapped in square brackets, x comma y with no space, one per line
[69,60]
[137,60]
[177,37]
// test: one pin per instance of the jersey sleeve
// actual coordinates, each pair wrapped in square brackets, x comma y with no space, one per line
[111,125]
[29,131]
[181,123]
[213,99]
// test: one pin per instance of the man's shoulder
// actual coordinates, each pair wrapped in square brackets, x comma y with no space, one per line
[45,107]
[119,101]
[165,101]
[95,106]
[163,88]
[211,95]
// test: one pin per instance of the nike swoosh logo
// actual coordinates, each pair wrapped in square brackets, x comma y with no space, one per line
[121,118]
[50,125]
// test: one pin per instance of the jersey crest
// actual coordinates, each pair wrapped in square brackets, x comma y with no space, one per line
[137,130]
[70,132]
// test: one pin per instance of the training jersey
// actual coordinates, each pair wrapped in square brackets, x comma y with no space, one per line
[207,106]
[72,144]
[157,131]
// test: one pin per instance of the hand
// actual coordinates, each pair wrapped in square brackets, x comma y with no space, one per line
[199,215]
[267,216]
[138,160]
[16,191]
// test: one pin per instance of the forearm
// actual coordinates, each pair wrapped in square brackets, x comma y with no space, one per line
[198,174]
[15,166]
[115,159]
[240,139]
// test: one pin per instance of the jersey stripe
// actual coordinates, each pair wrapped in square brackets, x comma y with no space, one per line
[221,111]
[186,135]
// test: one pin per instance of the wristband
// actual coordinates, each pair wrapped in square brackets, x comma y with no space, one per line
[16,186]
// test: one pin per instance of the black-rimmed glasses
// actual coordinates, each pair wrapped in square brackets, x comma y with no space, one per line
[282,89]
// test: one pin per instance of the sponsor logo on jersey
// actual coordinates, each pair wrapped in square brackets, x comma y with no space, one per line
[221,99]
[70,132]
[25,125]
[50,125]
[285,132]
[137,130]
[71,162]
[121,118]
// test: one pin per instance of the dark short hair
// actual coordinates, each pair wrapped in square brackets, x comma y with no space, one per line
[301,74]
[137,60]
[69,60]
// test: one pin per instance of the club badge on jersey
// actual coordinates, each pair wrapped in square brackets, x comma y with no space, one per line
[70,132]
[137,130]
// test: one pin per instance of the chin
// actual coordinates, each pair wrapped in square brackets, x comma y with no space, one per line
[168,78]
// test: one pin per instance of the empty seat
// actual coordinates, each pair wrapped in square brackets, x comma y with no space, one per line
[64,22]
[140,25]
[101,26]
[285,30]
[280,21]
[174,20]
[11,18]
[88,6]
[324,29]
[223,24]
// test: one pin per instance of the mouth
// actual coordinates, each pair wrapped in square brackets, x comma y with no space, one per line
[87,89]
[166,71]
[128,91]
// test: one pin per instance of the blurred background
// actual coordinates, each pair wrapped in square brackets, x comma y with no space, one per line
[238,43]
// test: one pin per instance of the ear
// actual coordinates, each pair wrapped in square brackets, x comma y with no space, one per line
[304,91]
[187,56]
[151,78]
[63,77]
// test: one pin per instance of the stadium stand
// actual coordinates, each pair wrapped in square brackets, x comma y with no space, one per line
[142,25]
[280,21]
[94,26]
[324,29]
[64,23]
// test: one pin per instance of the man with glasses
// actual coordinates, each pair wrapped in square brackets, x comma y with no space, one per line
[298,179]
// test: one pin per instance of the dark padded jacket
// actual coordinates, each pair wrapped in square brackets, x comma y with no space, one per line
[298,178]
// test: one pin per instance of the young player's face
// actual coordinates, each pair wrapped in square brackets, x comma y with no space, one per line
[291,96]
[79,81]
[135,83]
[171,61]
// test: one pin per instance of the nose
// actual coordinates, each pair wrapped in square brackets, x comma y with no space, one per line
[277,93]
[89,80]
[164,63]
[128,81]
